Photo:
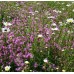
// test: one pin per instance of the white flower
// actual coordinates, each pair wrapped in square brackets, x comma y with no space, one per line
[36,11]
[7,68]
[54,29]
[70,20]
[61,24]
[45,60]
[5,29]
[62,3]
[51,17]
[59,11]
[40,36]
[53,24]
[26,62]
[73,10]
[36,18]
[63,8]
[22,70]
[55,11]
[7,23]
[28,16]
[57,68]
[63,50]
[63,70]
[53,33]
[72,2]
[30,70]
[68,5]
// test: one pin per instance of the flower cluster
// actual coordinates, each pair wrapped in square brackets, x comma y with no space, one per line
[36,39]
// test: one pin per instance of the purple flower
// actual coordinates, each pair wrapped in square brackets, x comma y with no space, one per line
[11,35]
[35,64]
[28,55]
[31,38]
[29,45]
[18,69]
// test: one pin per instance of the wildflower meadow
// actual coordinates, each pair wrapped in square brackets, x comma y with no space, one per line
[36,36]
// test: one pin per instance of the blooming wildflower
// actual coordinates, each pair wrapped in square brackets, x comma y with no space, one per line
[46,47]
[59,11]
[28,16]
[22,70]
[63,70]
[36,11]
[57,68]
[7,68]
[54,29]
[7,24]
[18,69]
[31,38]
[41,51]
[30,70]
[63,8]
[51,17]
[70,20]
[53,24]
[40,36]
[53,33]
[36,18]
[63,50]
[68,5]
[60,23]
[35,64]
[5,29]
[62,3]
[73,10]
[55,11]
[26,62]
[45,60]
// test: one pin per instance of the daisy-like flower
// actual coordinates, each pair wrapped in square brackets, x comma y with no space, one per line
[5,29]
[57,68]
[68,5]
[54,29]
[70,20]
[40,36]
[22,70]
[53,24]
[26,62]
[51,17]
[61,24]
[63,8]
[7,68]
[36,11]
[45,60]
[63,70]
[73,10]
[63,50]
[7,23]
[30,70]
[55,11]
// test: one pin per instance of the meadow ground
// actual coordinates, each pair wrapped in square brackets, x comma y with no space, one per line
[37,36]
